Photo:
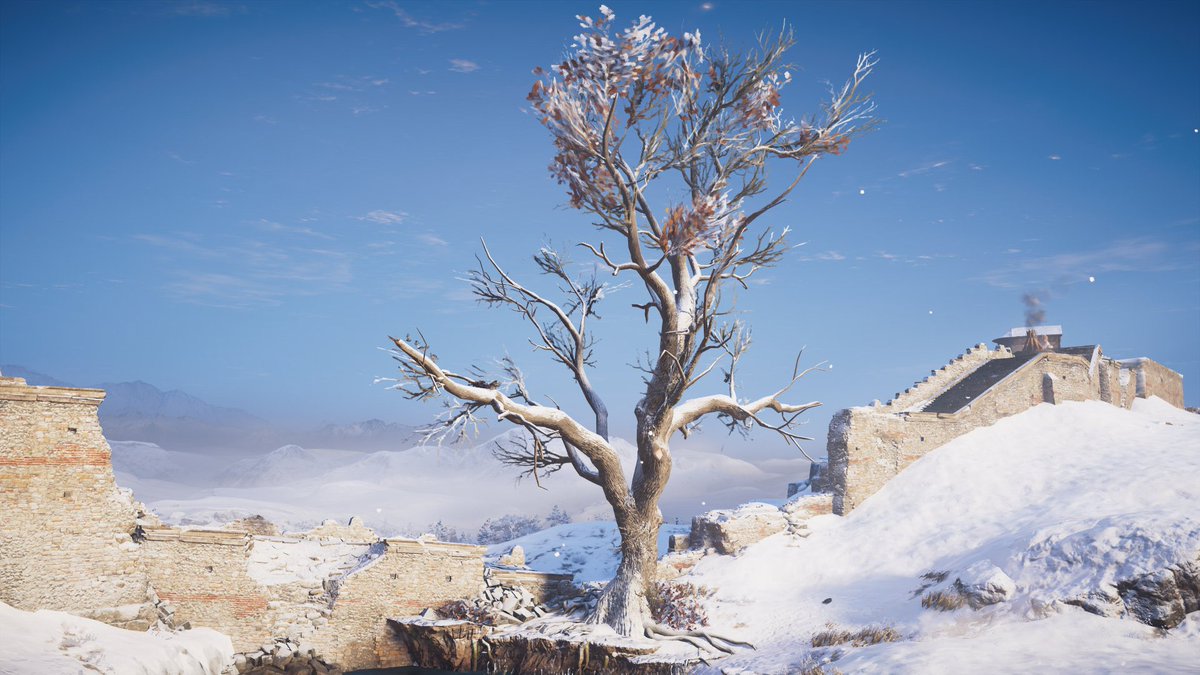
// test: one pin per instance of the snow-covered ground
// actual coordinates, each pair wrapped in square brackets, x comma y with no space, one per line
[403,492]
[590,551]
[1063,500]
[54,643]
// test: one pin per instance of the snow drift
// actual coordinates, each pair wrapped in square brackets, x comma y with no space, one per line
[53,643]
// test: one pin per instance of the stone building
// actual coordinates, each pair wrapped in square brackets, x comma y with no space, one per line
[869,445]
[72,540]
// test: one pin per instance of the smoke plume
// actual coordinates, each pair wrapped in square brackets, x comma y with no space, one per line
[1035,312]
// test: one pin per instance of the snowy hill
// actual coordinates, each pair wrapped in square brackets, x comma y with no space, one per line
[1063,500]
[372,434]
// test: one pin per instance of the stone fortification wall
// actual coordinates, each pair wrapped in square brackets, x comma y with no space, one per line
[327,595]
[71,540]
[65,535]
[203,575]
[1154,379]
[545,587]
[409,576]
[945,377]
[868,446]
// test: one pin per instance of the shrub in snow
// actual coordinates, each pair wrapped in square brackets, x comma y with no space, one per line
[943,601]
[506,528]
[871,635]
[979,585]
[681,605]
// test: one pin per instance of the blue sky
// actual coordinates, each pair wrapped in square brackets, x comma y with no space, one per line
[242,200]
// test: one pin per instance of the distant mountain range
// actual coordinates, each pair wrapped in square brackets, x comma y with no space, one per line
[139,411]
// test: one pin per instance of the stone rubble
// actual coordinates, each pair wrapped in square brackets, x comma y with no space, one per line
[283,656]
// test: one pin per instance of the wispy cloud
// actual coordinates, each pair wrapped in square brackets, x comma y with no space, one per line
[385,217]
[409,21]
[360,83]
[180,158]
[245,273]
[272,226]
[924,168]
[432,240]
[205,9]
[829,256]
[463,66]
[1126,255]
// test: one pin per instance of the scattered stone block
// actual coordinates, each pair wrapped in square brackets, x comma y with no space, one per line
[730,530]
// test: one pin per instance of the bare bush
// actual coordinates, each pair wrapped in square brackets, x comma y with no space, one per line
[833,636]
[680,605]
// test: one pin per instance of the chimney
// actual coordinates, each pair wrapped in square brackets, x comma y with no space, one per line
[1031,339]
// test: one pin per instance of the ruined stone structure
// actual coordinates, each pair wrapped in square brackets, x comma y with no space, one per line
[869,445]
[66,532]
[71,540]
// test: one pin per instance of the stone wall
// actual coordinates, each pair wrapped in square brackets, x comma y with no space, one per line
[945,377]
[71,540]
[328,594]
[202,574]
[545,587]
[1155,379]
[868,446]
[409,576]
[65,535]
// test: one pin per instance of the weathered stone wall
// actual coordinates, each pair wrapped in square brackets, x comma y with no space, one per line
[1155,379]
[407,578]
[71,540]
[255,589]
[65,533]
[868,446]
[202,574]
[543,586]
[945,377]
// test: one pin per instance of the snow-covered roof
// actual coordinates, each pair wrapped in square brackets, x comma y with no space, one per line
[1041,330]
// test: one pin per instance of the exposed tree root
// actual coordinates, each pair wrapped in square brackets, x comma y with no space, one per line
[701,639]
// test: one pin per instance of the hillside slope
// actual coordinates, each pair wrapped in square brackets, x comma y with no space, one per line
[1066,501]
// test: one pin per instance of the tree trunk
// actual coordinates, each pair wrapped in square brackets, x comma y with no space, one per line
[623,605]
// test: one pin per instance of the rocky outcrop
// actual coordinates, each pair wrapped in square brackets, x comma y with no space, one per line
[1164,597]
[984,584]
[466,646]
[728,531]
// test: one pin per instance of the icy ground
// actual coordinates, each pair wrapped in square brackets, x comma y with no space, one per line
[1062,499]
[56,643]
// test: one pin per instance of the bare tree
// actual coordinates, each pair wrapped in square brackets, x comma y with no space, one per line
[629,112]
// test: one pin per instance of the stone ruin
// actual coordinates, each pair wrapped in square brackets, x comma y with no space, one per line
[311,603]
[868,446]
